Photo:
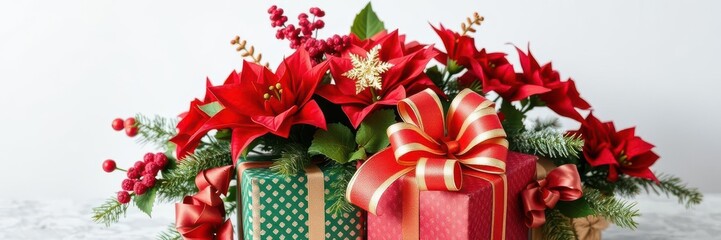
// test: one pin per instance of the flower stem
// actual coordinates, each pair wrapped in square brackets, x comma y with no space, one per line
[120,169]
[374,94]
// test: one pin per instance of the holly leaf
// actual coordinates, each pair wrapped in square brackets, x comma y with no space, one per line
[371,134]
[366,23]
[336,143]
[211,108]
[575,209]
[145,202]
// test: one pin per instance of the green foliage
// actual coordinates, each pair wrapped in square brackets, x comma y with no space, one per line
[211,108]
[557,226]
[513,118]
[157,130]
[337,189]
[337,143]
[179,182]
[670,186]
[170,233]
[145,202]
[366,23]
[435,75]
[619,212]
[575,209]
[371,134]
[109,212]
[542,124]
[548,142]
[292,160]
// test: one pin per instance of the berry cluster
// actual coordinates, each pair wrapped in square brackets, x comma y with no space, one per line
[303,34]
[129,124]
[141,176]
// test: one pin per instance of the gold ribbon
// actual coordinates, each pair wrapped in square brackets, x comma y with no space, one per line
[316,200]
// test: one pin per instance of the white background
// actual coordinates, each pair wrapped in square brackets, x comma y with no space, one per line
[68,68]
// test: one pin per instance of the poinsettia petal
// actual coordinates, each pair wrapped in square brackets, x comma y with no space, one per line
[311,114]
[240,97]
[575,96]
[242,137]
[390,46]
[273,123]
[603,157]
[637,146]
[525,91]
[338,67]
[333,94]
[557,101]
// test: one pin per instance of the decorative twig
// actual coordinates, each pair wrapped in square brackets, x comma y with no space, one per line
[468,25]
[247,52]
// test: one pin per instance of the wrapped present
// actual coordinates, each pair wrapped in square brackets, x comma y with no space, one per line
[278,207]
[446,175]
[586,228]
[465,214]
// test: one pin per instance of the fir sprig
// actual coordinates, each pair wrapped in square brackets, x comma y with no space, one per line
[619,212]
[292,160]
[179,182]
[343,173]
[670,185]
[548,142]
[170,233]
[109,212]
[557,226]
[156,130]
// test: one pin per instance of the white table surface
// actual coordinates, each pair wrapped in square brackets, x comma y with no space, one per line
[661,218]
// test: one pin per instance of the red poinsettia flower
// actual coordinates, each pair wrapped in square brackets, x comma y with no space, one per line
[459,48]
[376,72]
[620,151]
[560,96]
[186,140]
[265,102]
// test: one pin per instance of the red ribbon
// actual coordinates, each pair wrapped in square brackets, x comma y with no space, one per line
[561,184]
[433,147]
[202,216]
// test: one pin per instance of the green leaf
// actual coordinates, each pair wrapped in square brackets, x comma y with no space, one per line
[359,154]
[366,23]
[145,202]
[575,209]
[435,75]
[211,108]
[372,131]
[513,118]
[336,143]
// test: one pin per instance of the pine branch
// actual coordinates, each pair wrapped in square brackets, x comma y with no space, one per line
[343,173]
[549,143]
[179,182]
[171,233]
[619,212]
[109,212]
[292,160]
[557,226]
[541,124]
[671,186]
[157,130]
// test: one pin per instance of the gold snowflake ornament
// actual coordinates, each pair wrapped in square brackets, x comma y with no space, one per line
[367,71]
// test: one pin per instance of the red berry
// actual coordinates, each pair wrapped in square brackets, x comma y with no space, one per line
[123,197]
[140,188]
[161,160]
[319,24]
[128,184]
[129,123]
[151,169]
[118,124]
[139,166]
[109,165]
[149,180]
[131,132]
[149,157]
[133,173]
[272,9]
[302,16]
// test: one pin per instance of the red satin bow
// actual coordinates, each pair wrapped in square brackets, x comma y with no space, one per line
[201,216]
[433,147]
[561,184]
